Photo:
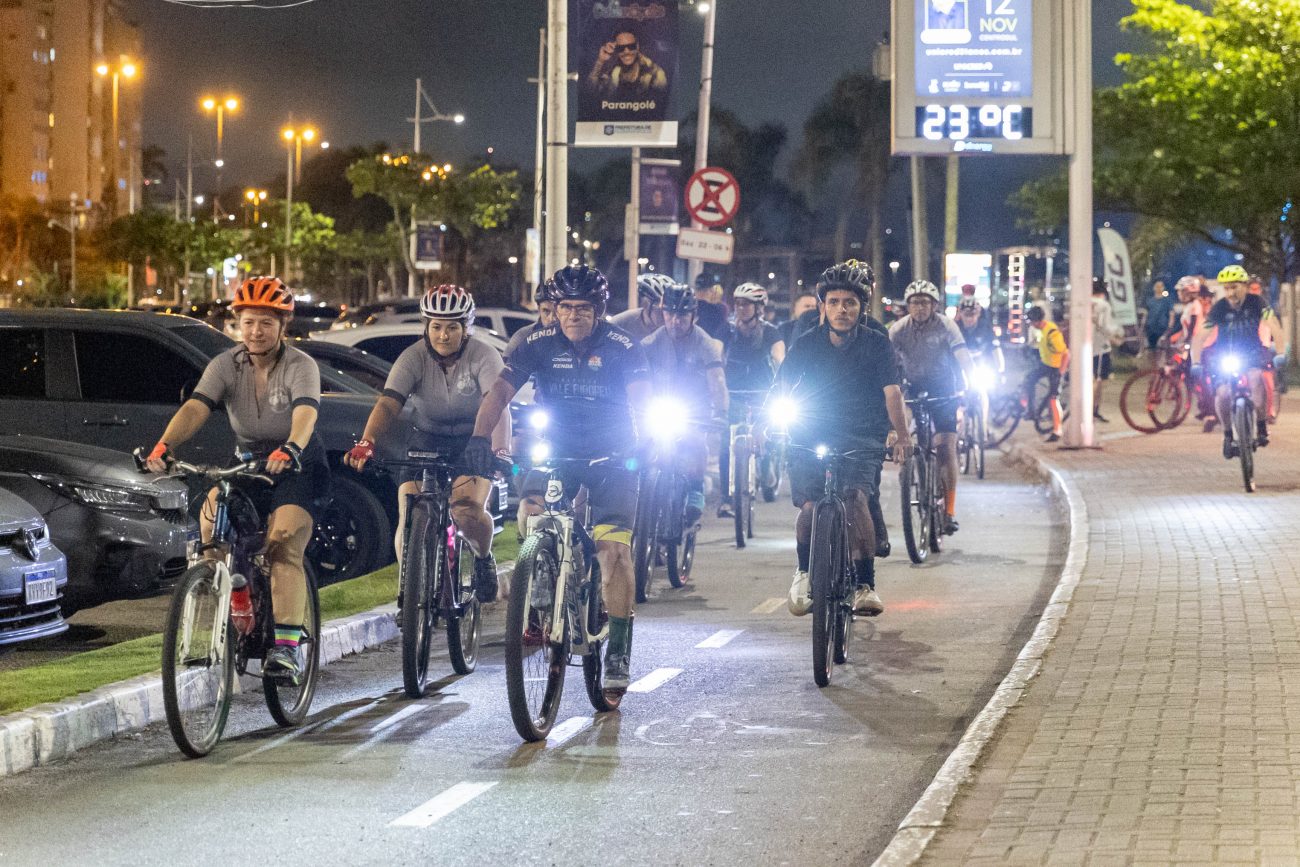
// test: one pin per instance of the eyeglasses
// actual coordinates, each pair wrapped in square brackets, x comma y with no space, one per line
[577,311]
[620,47]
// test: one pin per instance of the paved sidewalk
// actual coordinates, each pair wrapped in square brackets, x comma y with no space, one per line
[1164,724]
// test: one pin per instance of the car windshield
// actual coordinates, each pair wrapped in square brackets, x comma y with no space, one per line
[212,343]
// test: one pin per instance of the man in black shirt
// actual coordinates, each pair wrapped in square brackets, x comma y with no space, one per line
[845,381]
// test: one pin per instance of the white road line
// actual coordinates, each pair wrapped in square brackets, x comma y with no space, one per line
[397,717]
[768,606]
[568,729]
[654,680]
[321,726]
[718,639]
[382,729]
[441,805]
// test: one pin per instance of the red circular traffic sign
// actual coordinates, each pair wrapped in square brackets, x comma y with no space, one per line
[712,196]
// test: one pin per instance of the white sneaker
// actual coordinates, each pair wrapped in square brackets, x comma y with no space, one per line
[800,599]
[867,601]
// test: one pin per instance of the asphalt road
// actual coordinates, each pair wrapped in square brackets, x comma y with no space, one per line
[730,755]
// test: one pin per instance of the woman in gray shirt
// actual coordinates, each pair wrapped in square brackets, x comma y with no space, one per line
[444,377]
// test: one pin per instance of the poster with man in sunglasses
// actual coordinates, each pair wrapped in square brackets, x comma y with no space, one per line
[628,54]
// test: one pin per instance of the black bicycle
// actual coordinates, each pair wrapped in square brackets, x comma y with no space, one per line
[437,574]
[203,646]
[661,538]
[557,610]
[974,435]
[920,482]
[1244,417]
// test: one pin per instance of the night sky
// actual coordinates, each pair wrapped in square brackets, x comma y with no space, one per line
[349,66]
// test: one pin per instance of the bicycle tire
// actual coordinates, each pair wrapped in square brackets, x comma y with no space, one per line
[1243,428]
[1138,388]
[1004,418]
[916,519]
[593,665]
[418,602]
[964,451]
[1186,399]
[1043,422]
[981,436]
[287,703]
[645,536]
[740,485]
[749,496]
[938,507]
[685,558]
[465,621]
[203,701]
[677,576]
[535,666]
[825,563]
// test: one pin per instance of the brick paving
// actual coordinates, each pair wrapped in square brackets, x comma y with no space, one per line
[1164,725]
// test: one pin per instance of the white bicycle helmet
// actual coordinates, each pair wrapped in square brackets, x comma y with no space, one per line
[448,302]
[923,287]
[968,303]
[750,292]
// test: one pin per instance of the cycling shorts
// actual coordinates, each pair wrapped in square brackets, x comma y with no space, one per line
[453,447]
[611,493]
[943,414]
[808,477]
[309,488]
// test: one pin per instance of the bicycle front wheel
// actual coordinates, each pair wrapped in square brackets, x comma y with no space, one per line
[750,495]
[1243,429]
[965,453]
[645,536]
[418,580]
[980,437]
[465,615]
[740,486]
[915,496]
[198,663]
[593,664]
[825,568]
[535,666]
[288,703]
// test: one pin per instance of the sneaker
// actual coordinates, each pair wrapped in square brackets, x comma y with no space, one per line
[694,508]
[485,578]
[799,600]
[883,548]
[1261,435]
[950,525]
[1229,447]
[1054,438]
[617,669]
[867,601]
[1209,424]
[282,664]
[724,509]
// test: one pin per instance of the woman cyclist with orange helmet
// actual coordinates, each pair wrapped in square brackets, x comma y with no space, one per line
[271,393]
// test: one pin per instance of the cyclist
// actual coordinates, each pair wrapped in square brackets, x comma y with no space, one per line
[1197,300]
[977,331]
[1053,356]
[801,306]
[687,363]
[444,376]
[845,379]
[933,357]
[753,350]
[1233,327]
[590,375]
[649,316]
[1256,287]
[545,318]
[271,394]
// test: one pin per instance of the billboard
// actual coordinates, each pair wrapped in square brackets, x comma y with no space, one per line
[660,200]
[627,62]
[962,268]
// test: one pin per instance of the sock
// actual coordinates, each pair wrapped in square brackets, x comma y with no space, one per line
[950,500]
[866,569]
[803,550]
[287,635]
[620,636]
[695,486]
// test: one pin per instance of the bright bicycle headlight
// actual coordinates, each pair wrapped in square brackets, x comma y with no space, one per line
[540,453]
[539,420]
[984,378]
[666,418]
[1231,365]
[783,411]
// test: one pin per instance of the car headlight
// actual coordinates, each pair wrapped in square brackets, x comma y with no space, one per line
[984,378]
[1231,364]
[666,418]
[109,498]
[783,411]
[539,420]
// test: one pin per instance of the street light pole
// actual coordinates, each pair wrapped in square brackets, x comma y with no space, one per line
[288,200]
[557,135]
[421,98]
[220,106]
[1079,428]
[539,169]
[705,112]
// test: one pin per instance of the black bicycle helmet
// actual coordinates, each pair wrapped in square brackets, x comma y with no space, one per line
[680,298]
[581,283]
[650,287]
[852,275]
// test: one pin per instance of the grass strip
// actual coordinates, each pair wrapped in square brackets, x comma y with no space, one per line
[63,678]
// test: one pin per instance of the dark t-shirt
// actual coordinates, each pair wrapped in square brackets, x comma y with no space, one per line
[583,387]
[980,337]
[792,330]
[712,318]
[749,363]
[840,391]
[1238,327]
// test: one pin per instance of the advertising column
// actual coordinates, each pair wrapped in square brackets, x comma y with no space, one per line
[627,62]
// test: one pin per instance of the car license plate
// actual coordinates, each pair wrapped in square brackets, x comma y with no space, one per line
[40,587]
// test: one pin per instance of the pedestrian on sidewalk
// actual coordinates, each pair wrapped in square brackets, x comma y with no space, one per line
[1106,332]
[1053,356]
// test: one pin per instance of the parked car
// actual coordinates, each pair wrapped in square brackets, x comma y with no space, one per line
[364,366]
[33,574]
[124,533]
[501,320]
[388,341]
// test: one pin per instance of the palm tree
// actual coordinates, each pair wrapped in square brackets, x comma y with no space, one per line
[849,131]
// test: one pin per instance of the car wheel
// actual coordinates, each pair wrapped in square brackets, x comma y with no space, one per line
[352,537]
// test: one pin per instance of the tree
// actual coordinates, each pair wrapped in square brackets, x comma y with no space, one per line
[1201,135]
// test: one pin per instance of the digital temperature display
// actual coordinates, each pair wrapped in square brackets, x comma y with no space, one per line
[963,122]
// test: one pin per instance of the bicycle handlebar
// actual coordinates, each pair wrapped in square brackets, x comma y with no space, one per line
[245,469]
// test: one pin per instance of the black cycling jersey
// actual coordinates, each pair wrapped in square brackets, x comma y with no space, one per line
[840,391]
[980,338]
[792,330]
[584,387]
[749,365]
[1238,327]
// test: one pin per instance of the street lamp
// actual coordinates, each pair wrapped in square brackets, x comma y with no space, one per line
[256,198]
[293,139]
[210,105]
[123,69]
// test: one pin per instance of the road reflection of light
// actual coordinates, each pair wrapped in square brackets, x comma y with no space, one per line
[915,605]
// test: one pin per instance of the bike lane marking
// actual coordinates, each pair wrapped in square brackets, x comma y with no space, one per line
[441,805]
[321,726]
[382,729]
[568,729]
[768,606]
[654,680]
[718,639]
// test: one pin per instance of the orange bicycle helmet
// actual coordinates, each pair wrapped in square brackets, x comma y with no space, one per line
[263,293]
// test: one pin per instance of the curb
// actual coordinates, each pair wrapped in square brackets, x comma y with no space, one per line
[49,732]
[927,816]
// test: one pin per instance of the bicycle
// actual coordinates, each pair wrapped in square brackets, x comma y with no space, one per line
[1163,395]
[557,562]
[661,535]
[202,647]
[1243,420]
[437,574]
[830,568]
[744,470]
[921,487]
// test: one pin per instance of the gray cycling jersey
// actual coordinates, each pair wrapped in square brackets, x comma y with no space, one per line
[446,400]
[519,337]
[229,380]
[925,352]
[631,322]
[681,367]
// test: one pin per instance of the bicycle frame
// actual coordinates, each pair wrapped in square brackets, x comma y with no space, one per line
[558,519]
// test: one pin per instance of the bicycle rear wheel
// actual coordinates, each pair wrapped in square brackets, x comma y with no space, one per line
[740,486]
[825,570]
[749,496]
[980,437]
[464,621]
[683,559]
[914,494]
[535,666]
[593,663]
[288,703]
[645,536]
[1135,400]
[418,579]
[1243,429]
[198,662]
[1004,417]
[965,454]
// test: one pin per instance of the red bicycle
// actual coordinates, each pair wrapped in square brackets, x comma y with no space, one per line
[1160,398]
